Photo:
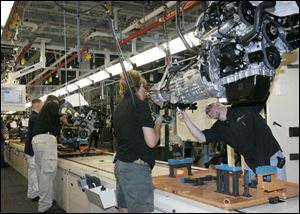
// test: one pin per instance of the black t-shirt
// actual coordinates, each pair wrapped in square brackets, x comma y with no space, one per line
[48,120]
[247,132]
[28,145]
[128,122]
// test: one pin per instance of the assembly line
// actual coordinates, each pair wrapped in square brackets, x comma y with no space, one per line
[150,106]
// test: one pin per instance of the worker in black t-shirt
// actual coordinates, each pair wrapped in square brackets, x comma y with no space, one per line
[32,188]
[246,131]
[136,135]
[44,144]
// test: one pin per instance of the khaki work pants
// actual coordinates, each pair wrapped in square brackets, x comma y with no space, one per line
[45,153]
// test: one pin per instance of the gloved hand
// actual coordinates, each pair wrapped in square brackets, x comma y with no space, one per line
[164,119]
[159,119]
[181,115]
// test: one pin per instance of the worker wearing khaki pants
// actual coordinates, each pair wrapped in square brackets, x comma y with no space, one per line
[33,189]
[44,143]
[45,152]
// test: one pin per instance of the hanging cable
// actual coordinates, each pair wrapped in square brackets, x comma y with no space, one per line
[65,44]
[179,30]
[166,37]
[120,55]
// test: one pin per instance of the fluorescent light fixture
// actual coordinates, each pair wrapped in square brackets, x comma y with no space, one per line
[83,82]
[71,88]
[60,92]
[117,69]
[191,39]
[6,7]
[148,56]
[176,45]
[43,98]
[101,75]
[151,55]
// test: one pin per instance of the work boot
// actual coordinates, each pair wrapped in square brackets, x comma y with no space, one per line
[37,198]
[4,165]
[53,208]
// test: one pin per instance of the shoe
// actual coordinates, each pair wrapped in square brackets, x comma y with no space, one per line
[53,208]
[37,198]
[4,165]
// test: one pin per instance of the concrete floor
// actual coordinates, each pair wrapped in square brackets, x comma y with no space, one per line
[13,193]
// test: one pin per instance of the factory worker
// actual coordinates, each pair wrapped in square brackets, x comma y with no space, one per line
[44,143]
[32,188]
[136,135]
[246,131]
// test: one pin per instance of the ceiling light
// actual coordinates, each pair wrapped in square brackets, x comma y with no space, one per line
[61,92]
[151,55]
[117,69]
[101,75]
[71,88]
[84,82]
[148,56]
[43,98]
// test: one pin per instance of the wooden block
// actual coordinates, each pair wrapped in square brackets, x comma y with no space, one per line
[230,156]
[207,193]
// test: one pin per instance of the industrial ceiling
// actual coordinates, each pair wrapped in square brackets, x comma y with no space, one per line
[70,26]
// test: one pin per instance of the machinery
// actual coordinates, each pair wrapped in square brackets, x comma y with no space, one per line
[82,122]
[241,45]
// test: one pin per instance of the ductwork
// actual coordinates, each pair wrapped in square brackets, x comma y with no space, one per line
[171,15]
[97,33]
[148,17]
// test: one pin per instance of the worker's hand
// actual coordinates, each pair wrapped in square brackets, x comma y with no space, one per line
[181,115]
[64,120]
[159,119]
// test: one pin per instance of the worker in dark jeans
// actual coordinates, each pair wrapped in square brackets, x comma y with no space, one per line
[4,164]
[136,134]
[246,131]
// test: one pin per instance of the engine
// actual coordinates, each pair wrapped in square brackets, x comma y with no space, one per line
[82,122]
[241,44]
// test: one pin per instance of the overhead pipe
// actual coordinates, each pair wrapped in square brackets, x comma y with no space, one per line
[189,5]
[70,59]
[148,17]
[54,47]
[97,33]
